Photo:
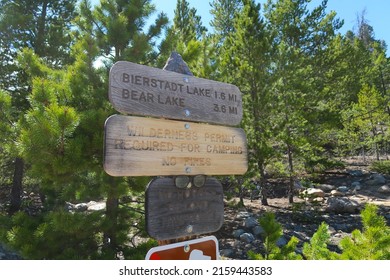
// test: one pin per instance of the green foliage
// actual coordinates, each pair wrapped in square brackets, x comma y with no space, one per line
[308,95]
[56,235]
[272,233]
[373,243]
[381,167]
[317,248]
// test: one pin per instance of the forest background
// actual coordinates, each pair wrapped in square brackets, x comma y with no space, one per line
[311,96]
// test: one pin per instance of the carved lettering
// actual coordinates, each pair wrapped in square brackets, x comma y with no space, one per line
[169,161]
[197,161]
[220,138]
[199,91]
[171,100]
[192,148]
[224,149]
[143,145]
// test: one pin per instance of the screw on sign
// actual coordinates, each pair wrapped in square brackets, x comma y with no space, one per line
[205,248]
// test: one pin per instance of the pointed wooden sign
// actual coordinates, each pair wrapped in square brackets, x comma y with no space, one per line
[142,90]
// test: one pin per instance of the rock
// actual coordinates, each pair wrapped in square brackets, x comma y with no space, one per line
[318,199]
[356,186]
[250,222]
[336,193]
[343,189]
[243,215]
[326,187]
[282,241]
[313,192]
[341,205]
[238,232]
[227,253]
[258,231]
[247,237]
[376,179]
[6,254]
[69,206]
[355,173]
[96,206]
[298,186]
[81,207]
[385,189]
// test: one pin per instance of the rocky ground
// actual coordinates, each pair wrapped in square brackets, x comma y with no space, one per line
[337,200]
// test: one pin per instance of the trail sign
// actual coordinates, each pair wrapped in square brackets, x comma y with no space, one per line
[142,90]
[205,248]
[137,146]
[173,213]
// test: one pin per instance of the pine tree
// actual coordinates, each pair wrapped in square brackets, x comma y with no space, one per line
[45,27]
[300,36]
[373,243]
[184,37]
[119,28]
[249,70]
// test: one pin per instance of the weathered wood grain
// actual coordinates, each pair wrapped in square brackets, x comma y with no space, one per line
[142,90]
[174,213]
[138,146]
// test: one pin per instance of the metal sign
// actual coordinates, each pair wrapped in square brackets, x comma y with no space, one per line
[137,146]
[205,248]
[172,213]
[147,91]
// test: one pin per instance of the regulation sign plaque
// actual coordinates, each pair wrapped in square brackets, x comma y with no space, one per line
[142,90]
[171,213]
[138,146]
[205,248]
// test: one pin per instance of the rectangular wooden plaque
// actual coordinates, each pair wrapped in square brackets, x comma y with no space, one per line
[173,213]
[142,90]
[137,146]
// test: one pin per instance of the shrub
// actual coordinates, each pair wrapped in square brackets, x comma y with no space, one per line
[381,167]
[373,243]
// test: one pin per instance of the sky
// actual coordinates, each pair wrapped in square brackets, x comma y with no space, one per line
[376,13]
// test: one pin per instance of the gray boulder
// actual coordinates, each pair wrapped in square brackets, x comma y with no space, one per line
[340,205]
[376,179]
[247,237]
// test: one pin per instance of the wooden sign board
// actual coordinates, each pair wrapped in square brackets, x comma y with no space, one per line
[205,248]
[172,213]
[142,90]
[137,146]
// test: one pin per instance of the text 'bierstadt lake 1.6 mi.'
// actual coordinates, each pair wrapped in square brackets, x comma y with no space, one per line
[147,91]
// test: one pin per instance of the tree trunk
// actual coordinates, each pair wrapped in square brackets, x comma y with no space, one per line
[263,185]
[291,172]
[39,47]
[112,204]
[17,186]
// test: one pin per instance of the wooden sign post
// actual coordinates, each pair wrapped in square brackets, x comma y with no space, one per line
[175,145]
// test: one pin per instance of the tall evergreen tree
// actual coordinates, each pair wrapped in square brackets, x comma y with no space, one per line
[184,36]
[119,27]
[249,70]
[45,27]
[301,36]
